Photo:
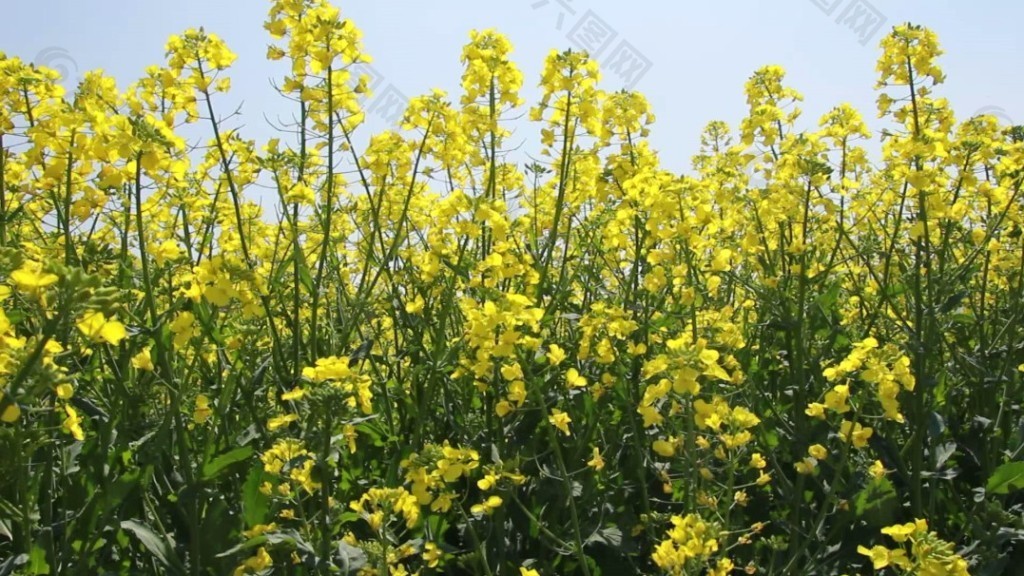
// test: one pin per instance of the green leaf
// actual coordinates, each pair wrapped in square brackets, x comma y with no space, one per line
[609,535]
[121,487]
[255,504]
[953,302]
[290,538]
[895,290]
[827,300]
[162,548]
[1006,478]
[250,543]
[214,467]
[11,511]
[875,501]
[351,558]
[37,560]
[305,278]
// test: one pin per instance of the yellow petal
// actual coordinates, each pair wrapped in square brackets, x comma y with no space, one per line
[664,448]
[65,391]
[10,414]
[113,332]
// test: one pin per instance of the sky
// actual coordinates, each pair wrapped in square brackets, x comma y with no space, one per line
[690,59]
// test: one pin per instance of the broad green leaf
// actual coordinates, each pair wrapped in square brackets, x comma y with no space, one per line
[37,560]
[1006,478]
[877,495]
[214,467]
[121,487]
[160,547]
[255,504]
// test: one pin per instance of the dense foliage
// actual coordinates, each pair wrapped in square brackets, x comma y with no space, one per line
[798,359]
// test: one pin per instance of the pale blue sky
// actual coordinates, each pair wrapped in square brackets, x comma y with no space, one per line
[699,54]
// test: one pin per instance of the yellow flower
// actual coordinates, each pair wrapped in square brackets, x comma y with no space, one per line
[720,263]
[415,306]
[202,411]
[722,568]
[818,451]
[900,532]
[806,466]
[98,328]
[442,503]
[31,278]
[487,506]
[597,462]
[877,470]
[330,368]
[836,399]
[651,415]
[664,448]
[853,430]
[143,360]
[183,327]
[432,554]
[815,410]
[528,572]
[259,529]
[166,250]
[258,563]
[488,482]
[280,421]
[293,394]
[879,556]
[560,420]
[555,354]
[574,380]
[504,408]
[73,423]
[11,412]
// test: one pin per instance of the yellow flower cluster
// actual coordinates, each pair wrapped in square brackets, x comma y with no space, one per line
[920,552]
[691,543]
[432,470]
